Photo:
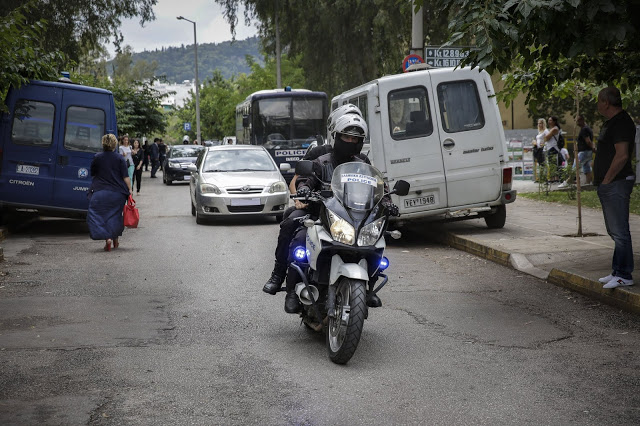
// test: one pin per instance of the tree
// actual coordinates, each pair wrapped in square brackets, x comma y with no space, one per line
[551,40]
[343,43]
[22,57]
[78,26]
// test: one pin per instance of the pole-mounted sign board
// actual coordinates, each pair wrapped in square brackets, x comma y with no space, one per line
[442,57]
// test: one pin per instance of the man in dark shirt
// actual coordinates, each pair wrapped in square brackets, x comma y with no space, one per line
[163,152]
[155,157]
[614,177]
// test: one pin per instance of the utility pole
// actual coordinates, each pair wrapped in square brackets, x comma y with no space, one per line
[278,76]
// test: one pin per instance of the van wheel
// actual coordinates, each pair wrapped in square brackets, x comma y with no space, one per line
[497,219]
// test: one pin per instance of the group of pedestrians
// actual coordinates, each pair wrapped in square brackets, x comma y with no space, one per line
[548,149]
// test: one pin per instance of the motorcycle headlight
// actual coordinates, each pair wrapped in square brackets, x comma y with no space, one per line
[207,188]
[278,187]
[341,230]
[371,233]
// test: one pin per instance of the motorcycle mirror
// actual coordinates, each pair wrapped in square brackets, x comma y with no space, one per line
[401,187]
[304,168]
[395,234]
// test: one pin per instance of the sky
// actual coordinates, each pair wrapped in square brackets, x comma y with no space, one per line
[166,30]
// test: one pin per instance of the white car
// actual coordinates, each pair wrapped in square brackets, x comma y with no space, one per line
[236,180]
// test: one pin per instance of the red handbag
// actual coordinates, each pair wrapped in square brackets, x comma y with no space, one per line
[131,213]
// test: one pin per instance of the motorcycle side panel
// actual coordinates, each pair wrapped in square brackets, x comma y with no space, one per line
[350,270]
[315,236]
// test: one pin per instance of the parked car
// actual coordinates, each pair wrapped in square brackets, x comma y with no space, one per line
[48,137]
[235,180]
[175,165]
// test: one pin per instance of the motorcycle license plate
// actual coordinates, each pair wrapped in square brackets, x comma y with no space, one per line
[420,201]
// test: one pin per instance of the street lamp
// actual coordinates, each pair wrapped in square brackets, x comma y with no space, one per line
[195,47]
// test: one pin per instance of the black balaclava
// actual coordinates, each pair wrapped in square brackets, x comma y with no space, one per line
[344,151]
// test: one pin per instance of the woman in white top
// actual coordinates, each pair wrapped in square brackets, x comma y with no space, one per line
[538,143]
[125,151]
[551,143]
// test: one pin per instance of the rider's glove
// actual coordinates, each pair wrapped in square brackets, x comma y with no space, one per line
[391,208]
[303,192]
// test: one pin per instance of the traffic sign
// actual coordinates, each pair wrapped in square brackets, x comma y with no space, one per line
[187,127]
[410,60]
[442,57]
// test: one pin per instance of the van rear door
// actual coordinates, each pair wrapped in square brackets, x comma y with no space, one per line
[411,142]
[84,116]
[28,146]
[470,140]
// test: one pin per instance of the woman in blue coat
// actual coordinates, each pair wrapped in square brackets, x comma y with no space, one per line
[108,194]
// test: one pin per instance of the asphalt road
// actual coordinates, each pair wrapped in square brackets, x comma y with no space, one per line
[173,328]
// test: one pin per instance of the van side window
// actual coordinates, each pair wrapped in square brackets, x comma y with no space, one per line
[460,106]
[409,115]
[361,102]
[84,129]
[33,123]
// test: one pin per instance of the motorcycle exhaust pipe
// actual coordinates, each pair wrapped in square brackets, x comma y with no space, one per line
[303,294]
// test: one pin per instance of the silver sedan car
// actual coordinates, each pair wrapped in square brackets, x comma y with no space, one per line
[234,180]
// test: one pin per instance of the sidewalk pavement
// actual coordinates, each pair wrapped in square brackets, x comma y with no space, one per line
[539,239]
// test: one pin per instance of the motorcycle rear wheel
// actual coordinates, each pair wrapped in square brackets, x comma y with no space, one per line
[343,333]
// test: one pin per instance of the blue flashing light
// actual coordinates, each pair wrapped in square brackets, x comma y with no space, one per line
[287,89]
[300,253]
[66,74]
[384,263]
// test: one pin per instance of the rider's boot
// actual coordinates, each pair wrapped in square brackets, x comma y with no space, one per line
[292,304]
[373,301]
[277,278]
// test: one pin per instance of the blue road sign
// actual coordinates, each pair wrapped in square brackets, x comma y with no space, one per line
[187,127]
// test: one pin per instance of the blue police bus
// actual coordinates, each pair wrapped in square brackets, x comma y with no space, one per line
[285,121]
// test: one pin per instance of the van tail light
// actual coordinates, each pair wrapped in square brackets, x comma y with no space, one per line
[507,178]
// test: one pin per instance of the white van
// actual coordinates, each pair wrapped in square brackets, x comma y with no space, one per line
[441,131]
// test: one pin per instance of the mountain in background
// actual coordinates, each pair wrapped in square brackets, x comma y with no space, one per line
[176,63]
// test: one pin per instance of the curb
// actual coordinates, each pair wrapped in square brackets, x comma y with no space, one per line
[619,297]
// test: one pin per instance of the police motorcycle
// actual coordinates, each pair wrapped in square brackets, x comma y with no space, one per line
[343,253]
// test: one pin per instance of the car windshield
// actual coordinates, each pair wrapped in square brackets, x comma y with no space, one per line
[185,151]
[358,186]
[238,160]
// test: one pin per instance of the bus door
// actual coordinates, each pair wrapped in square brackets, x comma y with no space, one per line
[83,123]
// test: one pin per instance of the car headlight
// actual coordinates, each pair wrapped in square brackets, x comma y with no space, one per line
[278,187]
[174,165]
[371,233]
[341,230]
[207,188]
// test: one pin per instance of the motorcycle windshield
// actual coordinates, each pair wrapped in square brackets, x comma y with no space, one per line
[357,186]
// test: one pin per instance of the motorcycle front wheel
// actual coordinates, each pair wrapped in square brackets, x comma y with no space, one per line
[343,331]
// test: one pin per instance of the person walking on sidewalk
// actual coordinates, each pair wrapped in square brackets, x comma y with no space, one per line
[586,148]
[614,178]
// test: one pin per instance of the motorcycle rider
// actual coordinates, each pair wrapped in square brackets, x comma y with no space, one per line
[288,226]
[348,134]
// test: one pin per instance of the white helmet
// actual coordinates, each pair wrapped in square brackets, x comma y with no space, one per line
[185,138]
[338,112]
[350,124]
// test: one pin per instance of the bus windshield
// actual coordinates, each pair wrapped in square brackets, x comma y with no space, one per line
[288,122]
